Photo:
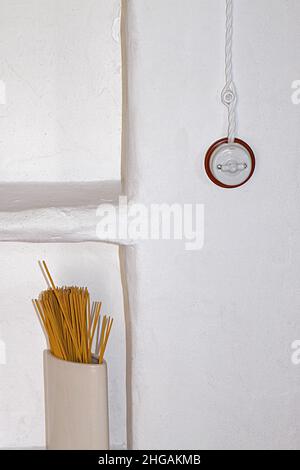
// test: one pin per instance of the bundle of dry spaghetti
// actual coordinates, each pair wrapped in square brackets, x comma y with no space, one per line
[75,330]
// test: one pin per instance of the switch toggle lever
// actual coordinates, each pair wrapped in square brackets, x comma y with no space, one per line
[232,166]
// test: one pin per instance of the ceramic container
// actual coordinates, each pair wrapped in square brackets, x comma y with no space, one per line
[76,404]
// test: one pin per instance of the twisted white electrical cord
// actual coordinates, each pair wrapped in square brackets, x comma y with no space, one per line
[228,96]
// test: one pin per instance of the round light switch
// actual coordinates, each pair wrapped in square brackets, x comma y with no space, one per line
[229,164]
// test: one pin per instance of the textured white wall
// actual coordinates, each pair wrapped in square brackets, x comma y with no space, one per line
[60,63]
[212,329]
[21,376]
[60,121]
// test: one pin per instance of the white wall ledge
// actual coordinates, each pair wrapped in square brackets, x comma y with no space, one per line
[15,197]
[55,212]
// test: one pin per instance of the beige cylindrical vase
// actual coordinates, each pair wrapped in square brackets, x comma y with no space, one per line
[76,405]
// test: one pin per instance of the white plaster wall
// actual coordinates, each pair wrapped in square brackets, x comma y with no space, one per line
[60,122]
[21,374]
[61,113]
[211,330]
